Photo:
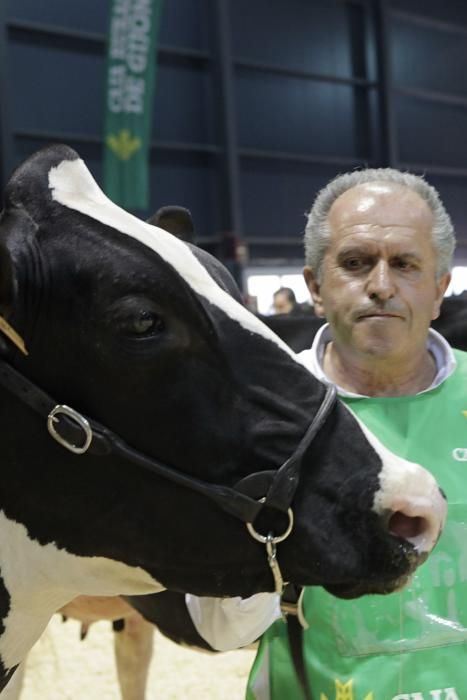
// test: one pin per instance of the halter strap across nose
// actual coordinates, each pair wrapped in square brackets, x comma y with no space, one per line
[282,488]
[276,489]
[81,435]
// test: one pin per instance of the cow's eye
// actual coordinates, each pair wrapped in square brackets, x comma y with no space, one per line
[135,318]
[145,323]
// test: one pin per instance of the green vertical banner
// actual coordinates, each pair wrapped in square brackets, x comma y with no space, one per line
[131,67]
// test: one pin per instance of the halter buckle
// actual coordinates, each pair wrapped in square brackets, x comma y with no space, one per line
[78,419]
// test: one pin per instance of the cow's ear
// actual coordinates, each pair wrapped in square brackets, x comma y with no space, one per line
[175,220]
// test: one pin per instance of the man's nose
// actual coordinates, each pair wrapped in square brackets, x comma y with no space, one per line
[380,283]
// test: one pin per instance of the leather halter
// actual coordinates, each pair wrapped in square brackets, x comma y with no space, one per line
[80,435]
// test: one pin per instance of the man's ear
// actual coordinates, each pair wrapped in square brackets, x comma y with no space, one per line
[441,285]
[314,287]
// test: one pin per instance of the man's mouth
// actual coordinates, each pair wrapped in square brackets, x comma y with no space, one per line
[378,314]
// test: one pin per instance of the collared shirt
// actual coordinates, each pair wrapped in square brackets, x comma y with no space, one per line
[313,359]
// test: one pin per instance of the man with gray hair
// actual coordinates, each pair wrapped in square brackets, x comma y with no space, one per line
[317,230]
[379,245]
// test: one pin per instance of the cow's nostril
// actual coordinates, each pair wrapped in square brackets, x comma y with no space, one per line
[406,526]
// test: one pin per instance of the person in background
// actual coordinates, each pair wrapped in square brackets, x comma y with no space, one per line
[379,246]
[284,301]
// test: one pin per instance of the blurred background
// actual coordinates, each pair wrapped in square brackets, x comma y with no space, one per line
[257,104]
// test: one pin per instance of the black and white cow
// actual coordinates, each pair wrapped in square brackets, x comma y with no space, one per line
[187,412]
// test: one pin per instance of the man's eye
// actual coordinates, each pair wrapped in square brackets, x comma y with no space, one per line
[403,264]
[353,263]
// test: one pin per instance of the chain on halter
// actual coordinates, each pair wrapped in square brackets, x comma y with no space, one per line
[271,540]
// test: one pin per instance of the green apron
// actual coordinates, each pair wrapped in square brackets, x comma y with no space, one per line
[410,645]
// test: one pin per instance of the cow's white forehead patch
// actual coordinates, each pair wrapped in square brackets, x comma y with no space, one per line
[73,186]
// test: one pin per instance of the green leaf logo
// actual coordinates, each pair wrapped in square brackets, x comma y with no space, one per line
[123,144]
[344,691]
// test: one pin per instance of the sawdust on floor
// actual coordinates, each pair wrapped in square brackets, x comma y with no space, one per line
[61,667]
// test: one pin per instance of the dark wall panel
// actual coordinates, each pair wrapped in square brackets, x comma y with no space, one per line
[454,11]
[183,105]
[280,196]
[71,88]
[432,133]
[85,15]
[312,36]
[184,23]
[314,117]
[422,57]
[63,93]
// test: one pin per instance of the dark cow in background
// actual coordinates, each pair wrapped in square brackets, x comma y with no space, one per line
[452,321]
[297,330]
[176,220]
[148,418]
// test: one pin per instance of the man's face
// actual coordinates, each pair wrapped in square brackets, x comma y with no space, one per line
[378,287]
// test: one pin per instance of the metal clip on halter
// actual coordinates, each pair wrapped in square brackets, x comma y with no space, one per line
[271,549]
[270,541]
[294,608]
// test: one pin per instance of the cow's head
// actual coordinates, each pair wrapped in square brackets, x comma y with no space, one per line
[122,322]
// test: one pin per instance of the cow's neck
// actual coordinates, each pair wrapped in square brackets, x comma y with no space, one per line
[38,579]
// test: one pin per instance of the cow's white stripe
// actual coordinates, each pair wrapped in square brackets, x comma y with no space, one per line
[73,186]
[40,579]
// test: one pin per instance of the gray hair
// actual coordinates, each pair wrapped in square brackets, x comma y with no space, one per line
[317,231]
